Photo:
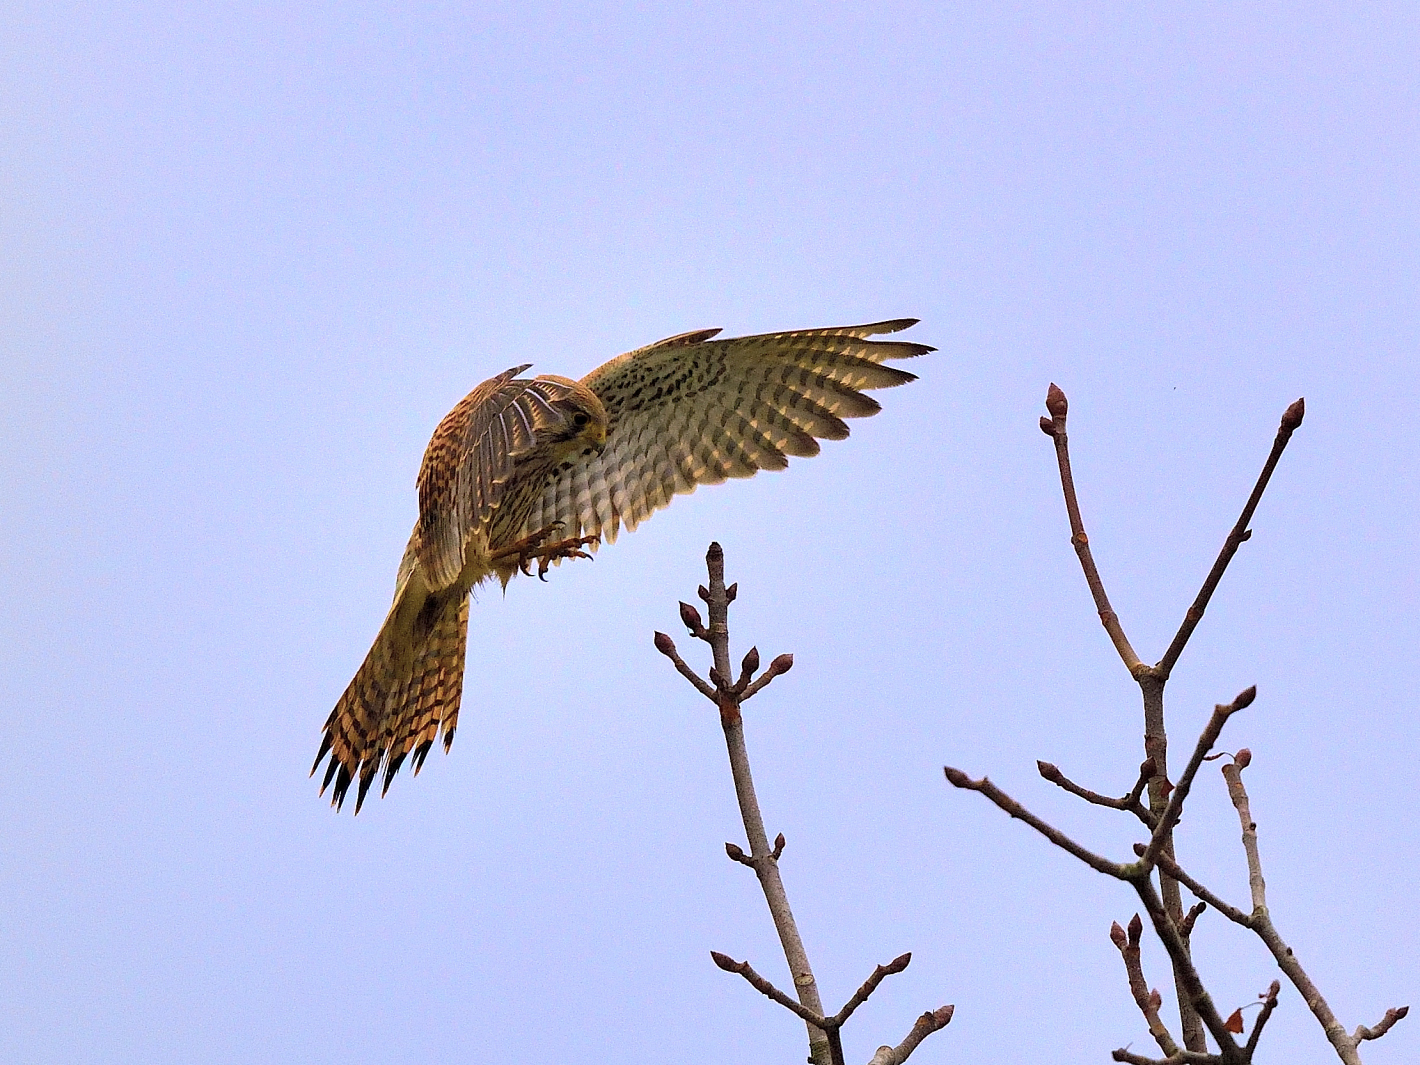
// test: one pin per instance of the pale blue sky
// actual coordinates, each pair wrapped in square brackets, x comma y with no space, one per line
[251,254]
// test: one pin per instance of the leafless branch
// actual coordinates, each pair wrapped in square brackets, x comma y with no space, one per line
[1054,427]
[1206,740]
[1129,802]
[825,1045]
[959,779]
[1261,923]
[1363,1033]
[1269,1003]
[1291,420]
[929,1022]
[1147,1000]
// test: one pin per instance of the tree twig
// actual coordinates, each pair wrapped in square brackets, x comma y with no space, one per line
[1147,1000]
[1129,802]
[1054,427]
[1291,421]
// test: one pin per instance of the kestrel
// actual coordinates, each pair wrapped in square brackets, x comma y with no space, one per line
[539,468]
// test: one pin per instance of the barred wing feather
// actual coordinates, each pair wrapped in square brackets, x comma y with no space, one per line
[693,410]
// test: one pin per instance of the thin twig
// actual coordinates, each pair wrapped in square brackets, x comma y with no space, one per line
[1005,802]
[929,1022]
[1054,427]
[1172,868]
[764,987]
[1206,740]
[1183,1057]
[666,646]
[869,986]
[1261,923]
[1191,990]
[1291,420]
[1363,1033]
[1129,802]
[1269,1003]
[1148,1001]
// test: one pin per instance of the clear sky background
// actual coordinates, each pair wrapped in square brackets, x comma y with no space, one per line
[252,253]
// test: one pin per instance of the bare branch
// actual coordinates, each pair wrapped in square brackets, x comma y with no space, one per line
[1128,802]
[1148,1001]
[764,987]
[1183,1057]
[1291,420]
[1206,740]
[869,986]
[781,665]
[929,1022]
[666,646]
[1054,426]
[1269,1003]
[1000,798]
[1172,868]
[1363,1033]
[1232,772]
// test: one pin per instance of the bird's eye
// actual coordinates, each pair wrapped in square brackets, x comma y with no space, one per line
[580,419]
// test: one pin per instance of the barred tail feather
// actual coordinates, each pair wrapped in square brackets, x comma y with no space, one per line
[399,701]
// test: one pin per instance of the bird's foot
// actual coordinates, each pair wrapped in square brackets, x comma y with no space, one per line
[535,546]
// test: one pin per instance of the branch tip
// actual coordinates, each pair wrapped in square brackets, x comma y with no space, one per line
[1245,698]
[956,777]
[1055,401]
[664,644]
[1292,417]
[1116,935]
[690,618]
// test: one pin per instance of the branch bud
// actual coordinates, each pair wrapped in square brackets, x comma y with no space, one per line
[1147,768]
[1049,771]
[1116,935]
[779,842]
[1055,401]
[716,679]
[751,661]
[782,664]
[1292,417]
[665,644]
[1155,1000]
[1243,758]
[956,777]
[1245,698]
[690,618]
[1047,426]
[735,852]
[899,963]
[1136,929]
[732,591]
[724,961]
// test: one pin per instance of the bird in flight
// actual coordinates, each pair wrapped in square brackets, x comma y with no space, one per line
[539,469]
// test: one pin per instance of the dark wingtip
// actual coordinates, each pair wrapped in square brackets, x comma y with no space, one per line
[449,737]
[391,770]
[324,750]
[420,753]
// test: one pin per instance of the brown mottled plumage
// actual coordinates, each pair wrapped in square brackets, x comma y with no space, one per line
[520,458]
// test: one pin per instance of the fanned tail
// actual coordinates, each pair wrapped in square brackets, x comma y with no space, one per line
[400,699]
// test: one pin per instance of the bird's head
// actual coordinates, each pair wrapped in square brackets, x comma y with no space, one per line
[583,425]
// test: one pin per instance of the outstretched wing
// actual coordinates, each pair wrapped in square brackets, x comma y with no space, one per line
[469,462]
[692,410]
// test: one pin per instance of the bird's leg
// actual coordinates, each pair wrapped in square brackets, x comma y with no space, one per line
[535,546]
